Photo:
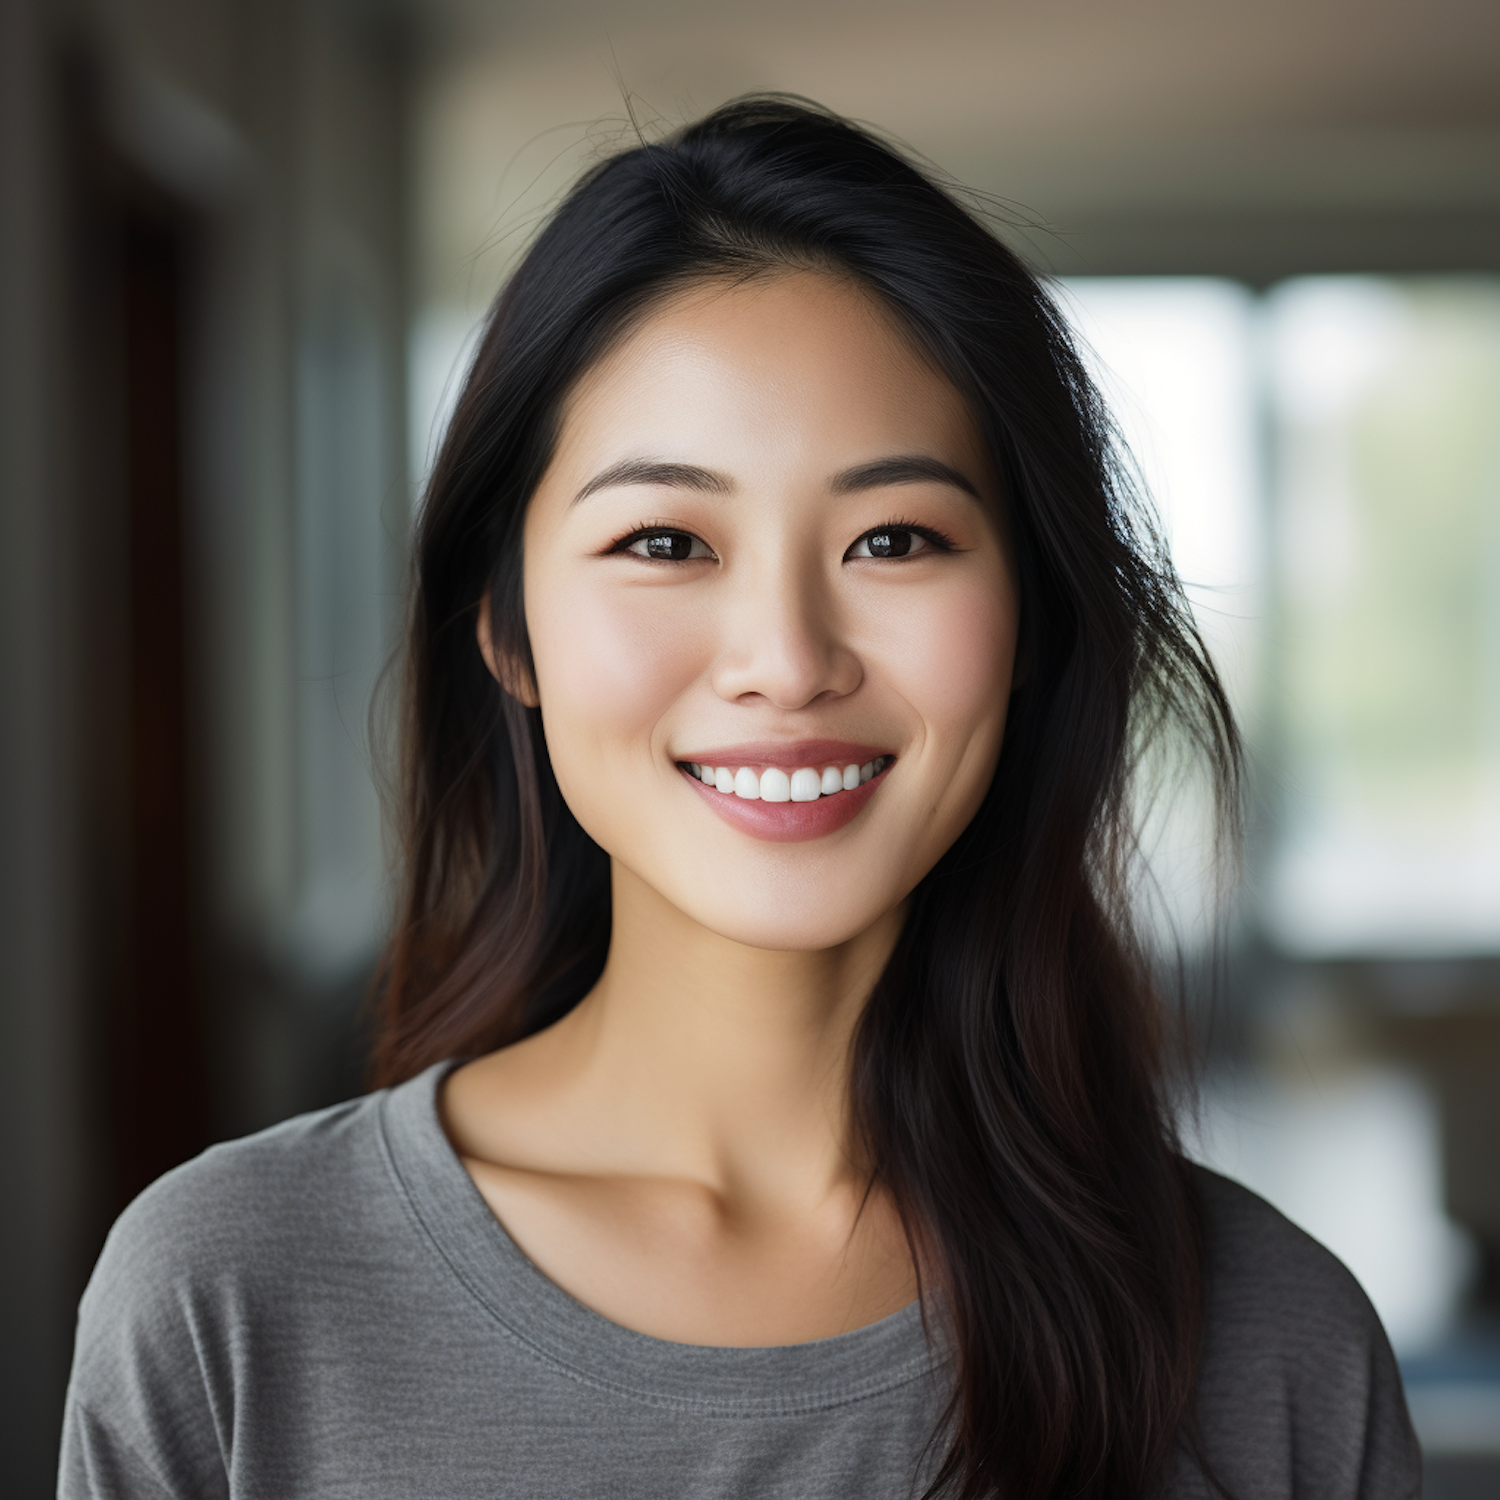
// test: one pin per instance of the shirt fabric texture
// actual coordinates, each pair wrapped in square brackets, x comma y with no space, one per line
[330,1309]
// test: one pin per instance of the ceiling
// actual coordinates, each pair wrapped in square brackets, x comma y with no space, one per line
[1162,135]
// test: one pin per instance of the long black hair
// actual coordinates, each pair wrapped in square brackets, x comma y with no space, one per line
[1007,1073]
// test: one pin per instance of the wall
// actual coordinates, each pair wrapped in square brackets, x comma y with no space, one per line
[203,296]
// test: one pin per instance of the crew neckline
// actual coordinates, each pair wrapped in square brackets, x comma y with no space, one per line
[730,1381]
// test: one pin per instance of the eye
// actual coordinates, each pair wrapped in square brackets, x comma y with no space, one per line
[662,544]
[893,541]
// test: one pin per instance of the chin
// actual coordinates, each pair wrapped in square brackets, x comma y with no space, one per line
[782,925]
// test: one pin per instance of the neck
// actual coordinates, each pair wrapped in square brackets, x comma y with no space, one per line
[716,1062]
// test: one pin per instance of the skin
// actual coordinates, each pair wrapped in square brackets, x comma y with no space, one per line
[675,1153]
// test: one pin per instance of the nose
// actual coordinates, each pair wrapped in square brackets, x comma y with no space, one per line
[783,640]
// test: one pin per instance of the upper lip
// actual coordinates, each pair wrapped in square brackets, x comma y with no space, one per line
[788,755]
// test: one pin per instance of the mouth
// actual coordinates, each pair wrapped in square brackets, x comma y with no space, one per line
[788,793]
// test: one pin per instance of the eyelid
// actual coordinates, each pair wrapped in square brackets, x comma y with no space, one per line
[636,533]
[935,539]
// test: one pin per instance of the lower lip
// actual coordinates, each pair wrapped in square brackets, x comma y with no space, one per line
[788,822]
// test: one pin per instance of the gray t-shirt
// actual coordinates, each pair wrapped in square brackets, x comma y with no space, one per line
[330,1309]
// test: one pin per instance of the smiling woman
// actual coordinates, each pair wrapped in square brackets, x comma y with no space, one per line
[801,559]
[774,1092]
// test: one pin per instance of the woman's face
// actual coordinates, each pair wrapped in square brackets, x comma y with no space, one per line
[767,547]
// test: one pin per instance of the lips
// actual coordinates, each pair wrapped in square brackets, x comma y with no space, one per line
[786,793]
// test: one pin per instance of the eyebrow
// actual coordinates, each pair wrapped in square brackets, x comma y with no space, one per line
[903,468]
[656,471]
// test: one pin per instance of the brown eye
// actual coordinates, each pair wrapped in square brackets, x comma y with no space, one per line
[667,546]
[890,544]
[889,541]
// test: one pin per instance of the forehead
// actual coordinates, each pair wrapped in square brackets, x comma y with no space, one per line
[802,363]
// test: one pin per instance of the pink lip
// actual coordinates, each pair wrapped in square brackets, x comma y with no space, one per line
[789,822]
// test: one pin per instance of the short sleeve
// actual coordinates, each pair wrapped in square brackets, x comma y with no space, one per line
[97,1464]
[142,1420]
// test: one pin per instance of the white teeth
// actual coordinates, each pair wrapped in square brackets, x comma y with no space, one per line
[807,785]
[777,786]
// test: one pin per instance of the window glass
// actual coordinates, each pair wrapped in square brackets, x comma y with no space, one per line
[1385,398]
[1175,359]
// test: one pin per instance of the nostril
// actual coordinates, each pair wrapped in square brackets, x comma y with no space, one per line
[787,668]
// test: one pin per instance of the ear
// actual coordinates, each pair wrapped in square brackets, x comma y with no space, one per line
[508,672]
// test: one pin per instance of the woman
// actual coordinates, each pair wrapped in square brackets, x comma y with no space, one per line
[782,638]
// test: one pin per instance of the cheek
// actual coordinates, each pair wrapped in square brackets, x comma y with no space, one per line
[953,660]
[609,663]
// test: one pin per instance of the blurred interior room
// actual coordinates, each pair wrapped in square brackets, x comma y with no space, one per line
[246,244]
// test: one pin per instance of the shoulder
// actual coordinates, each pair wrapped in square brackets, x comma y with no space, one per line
[225,1254]
[294,1183]
[1299,1393]
[1268,1276]
[206,1250]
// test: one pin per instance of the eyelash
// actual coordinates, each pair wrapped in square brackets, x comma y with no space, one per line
[939,541]
[645,528]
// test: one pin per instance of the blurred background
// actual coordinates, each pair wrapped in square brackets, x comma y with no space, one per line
[245,244]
